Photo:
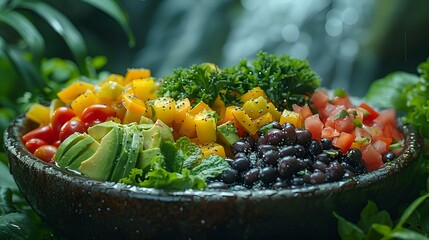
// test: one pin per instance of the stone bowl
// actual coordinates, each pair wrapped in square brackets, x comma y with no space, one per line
[80,208]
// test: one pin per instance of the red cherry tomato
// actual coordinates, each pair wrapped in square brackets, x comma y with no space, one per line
[34,143]
[45,153]
[60,116]
[56,143]
[97,113]
[45,133]
[70,127]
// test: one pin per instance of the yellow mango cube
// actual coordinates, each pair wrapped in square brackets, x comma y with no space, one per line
[182,106]
[245,121]
[188,126]
[39,114]
[205,126]
[199,107]
[83,101]
[70,93]
[253,93]
[291,117]
[255,107]
[264,119]
[136,73]
[164,109]
[273,111]
[144,88]
[212,148]
[132,103]
[109,92]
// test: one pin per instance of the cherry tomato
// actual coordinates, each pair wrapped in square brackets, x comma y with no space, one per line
[70,127]
[45,133]
[56,143]
[45,153]
[97,113]
[60,116]
[34,143]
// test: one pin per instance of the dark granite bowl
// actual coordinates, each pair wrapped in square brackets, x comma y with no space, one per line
[79,208]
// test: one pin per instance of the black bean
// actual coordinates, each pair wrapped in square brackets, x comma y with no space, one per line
[323,157]
[317,177]
[229,176]
[241,146]
[287,166]
[335,171]
[251,176]
[303,137]
[353,157]
[388,156]
[286,151]
[320,165]
[326,143]
[268,175]
[289,134]
[280,185]
[315,147]
[274,136]
[300,151]
[271,157]
[241,164]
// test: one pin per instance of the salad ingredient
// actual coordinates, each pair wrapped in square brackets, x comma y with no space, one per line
[281,78]
[60,116]
[45,153]
[407,93]
[39,114]
[44,133]
[34,143]
[70,127]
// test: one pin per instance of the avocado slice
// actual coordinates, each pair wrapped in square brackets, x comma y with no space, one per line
[100,130]
[227,133]
[74,151]
[145,158]
[127,157]
[69,142]
[85,154]
[99,165]
[158,133]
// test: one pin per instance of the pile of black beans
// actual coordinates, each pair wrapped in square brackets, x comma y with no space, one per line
[287,157]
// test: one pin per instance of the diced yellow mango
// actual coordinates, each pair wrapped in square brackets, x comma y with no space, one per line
[219,106]
[144,88]
[182,106]
[245,121]
[205,126]
[136,73]
[253,93]
[188,126]
[131,116]
[132,103]
[212,148]
[273,111]
[264,119]
[228,114]
[120,110]
[70,93]
[291,117]
[164,109]
[109,92]
[255,107]
[39,114]
[199,107]
[114,78]
[83,101]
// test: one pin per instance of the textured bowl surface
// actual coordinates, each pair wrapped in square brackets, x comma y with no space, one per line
[79,208]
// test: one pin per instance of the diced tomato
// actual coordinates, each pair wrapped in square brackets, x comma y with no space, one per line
[344,141]
[392,132]
[344,124]
[45,133]
[371,157]
[371,114]
[319,99]
[386,117]
[304,111]
[70,127]
[314,125]
[380,146]
[329,132]
[345,101]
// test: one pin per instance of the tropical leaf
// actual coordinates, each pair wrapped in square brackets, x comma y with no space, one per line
[26,30]
[63,27]
[113,9]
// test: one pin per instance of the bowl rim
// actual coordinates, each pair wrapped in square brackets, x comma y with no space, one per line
[14,146]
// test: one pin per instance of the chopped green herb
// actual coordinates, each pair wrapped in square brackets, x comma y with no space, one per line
[341,114]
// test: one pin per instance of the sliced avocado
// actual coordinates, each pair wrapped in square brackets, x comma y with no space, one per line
[100,130]
[74,151]
[153,136]
[145,158]
[127,158]
[85,154]
[99,165]
[145,120]
[122,151]
[227,133]
[67,144]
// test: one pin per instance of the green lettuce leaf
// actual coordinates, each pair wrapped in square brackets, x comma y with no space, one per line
[211,167]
